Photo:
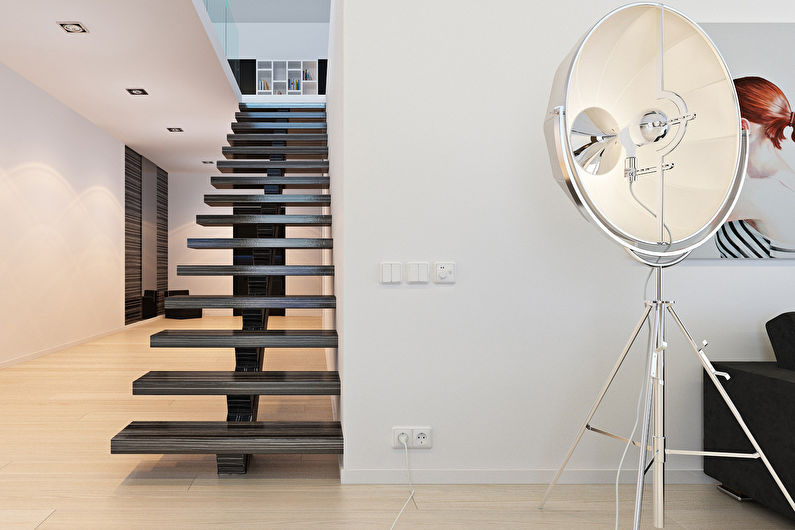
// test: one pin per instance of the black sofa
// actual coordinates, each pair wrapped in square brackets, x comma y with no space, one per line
[182,313]
[149,304]
[764,393]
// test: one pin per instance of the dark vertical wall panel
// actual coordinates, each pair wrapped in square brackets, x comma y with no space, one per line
[162,237]
[322,69]
[132,236]
[245,72]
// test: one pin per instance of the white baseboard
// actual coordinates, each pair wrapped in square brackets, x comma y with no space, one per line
[511,476]
[47,351]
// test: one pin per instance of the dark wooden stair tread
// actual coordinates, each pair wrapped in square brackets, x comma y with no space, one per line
[292,220]
[293,199]
[276,125]
[282,105]
[250,302]
[236,338]
[221,437]
[258,182]
[267,150]
[278,114]
[238,383]
[256,242]
[262,166]
[265,138]
[255,270]
[271,164]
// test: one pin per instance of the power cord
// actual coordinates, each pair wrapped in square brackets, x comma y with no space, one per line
[648,351]
[665,226]
[404,440]
[640,392]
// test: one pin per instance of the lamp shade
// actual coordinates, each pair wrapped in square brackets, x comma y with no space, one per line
[644,131]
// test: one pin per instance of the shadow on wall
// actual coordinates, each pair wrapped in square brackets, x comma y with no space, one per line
[62,263]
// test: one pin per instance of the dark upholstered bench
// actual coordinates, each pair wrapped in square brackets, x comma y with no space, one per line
[764,393]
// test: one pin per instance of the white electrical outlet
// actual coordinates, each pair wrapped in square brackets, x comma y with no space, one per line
[422,438]
[416,437]
[396,432]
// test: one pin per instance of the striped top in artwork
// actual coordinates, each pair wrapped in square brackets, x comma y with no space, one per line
[738,239]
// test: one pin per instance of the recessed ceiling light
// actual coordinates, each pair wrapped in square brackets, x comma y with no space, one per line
[174,129]
[73,27]
[137,92]
[207,162]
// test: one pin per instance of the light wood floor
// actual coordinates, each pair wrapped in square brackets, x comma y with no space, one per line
[58,413]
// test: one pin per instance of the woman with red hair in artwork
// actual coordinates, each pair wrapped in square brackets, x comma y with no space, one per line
[762,224]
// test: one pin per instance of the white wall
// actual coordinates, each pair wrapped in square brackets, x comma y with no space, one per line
[284,40]
[335,119]
[185,201]
[148,225]
[505,364]
[62,219]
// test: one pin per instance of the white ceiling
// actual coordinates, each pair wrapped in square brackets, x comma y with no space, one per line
[159,45]
[280,10]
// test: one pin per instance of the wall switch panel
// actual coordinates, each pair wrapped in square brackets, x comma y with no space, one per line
[391,272]
[417,272]
[444,272]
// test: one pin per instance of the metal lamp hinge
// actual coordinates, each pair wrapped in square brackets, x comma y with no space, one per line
[631,171]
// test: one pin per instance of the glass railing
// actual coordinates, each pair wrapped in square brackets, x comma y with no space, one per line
[224,25]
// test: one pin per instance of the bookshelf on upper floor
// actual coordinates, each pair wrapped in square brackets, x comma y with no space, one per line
[287,77]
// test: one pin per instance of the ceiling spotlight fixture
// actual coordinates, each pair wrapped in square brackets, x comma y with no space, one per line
[137,92]
[644,136]
[175,129]
[207,162]
[73,27]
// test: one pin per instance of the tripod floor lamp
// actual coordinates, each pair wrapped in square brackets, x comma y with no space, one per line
[645,137]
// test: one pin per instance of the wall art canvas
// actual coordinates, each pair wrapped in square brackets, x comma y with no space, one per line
[762,225]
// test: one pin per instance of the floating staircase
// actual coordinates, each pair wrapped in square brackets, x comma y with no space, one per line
[271,142]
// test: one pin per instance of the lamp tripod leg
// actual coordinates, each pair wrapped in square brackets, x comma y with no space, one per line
[647,416]
[595,406]
[658,439]
[710,370]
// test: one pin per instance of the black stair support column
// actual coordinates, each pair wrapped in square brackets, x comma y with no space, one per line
[244,407]
[242,256]
[278,285]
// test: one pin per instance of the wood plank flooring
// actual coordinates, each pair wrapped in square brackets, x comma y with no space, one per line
[58,413]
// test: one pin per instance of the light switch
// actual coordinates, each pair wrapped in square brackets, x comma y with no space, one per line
[424,272]
[412,272]
[417,271]
[444,272]
[390,272]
